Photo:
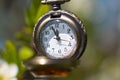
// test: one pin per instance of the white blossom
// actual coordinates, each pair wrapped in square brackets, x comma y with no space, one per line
[8,72]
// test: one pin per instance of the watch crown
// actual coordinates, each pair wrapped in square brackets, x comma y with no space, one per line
[53,1]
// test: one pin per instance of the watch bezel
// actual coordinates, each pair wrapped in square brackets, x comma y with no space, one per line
[76,25]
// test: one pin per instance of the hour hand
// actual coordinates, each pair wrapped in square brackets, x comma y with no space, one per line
[56,32]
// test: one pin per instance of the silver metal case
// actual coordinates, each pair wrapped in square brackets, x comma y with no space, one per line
[69,18]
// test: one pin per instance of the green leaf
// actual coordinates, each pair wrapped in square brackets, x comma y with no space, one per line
[29,19]
[11,52]
[25,53]
[23,38]
[42,10]
[35,11]
[31,13]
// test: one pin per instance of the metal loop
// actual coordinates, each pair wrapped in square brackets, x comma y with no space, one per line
[53,1]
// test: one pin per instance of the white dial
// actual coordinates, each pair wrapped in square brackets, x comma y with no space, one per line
[58,39]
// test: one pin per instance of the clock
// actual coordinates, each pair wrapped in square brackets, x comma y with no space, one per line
[59,34]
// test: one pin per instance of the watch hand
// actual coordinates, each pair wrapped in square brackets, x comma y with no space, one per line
[63,40]
[54,30]
[56,33]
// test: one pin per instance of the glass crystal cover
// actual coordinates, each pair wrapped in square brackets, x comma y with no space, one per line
[58,39]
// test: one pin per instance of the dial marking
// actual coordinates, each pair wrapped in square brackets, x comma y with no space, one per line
[47,32]
[58,40]
[68,30]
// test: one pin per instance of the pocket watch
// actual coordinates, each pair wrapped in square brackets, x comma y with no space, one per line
[59,34]
[59,38]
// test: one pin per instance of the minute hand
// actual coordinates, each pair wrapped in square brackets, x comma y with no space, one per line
[56,33]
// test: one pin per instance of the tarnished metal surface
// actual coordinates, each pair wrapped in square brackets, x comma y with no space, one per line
[53,1]
[43,67]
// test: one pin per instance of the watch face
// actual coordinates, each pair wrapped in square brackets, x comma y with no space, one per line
[58,39]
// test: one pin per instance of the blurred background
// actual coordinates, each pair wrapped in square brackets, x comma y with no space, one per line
[101,18]
[11,18]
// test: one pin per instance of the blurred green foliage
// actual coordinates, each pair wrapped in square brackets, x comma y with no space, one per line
[32,15]
[19,50]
